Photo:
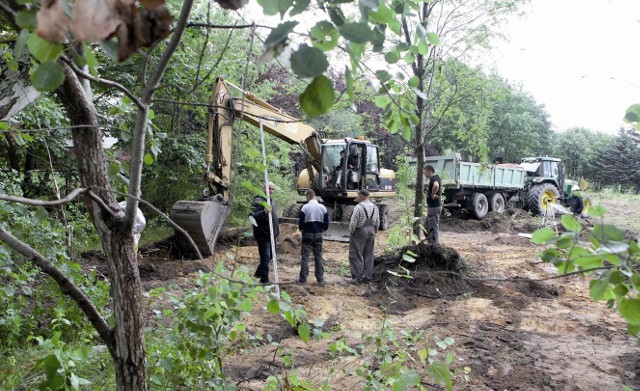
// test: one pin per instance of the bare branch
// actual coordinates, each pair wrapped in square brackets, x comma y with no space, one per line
[66,285]
[7,9]
[28,201]
[106,82]
[228,26]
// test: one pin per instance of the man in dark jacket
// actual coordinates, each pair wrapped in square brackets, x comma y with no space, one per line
[260,212]
[313,220]
[576,203]
[434,205]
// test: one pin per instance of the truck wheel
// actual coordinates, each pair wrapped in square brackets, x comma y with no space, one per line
[383,211]
[541,197]
[496,203]
[347,211]
[479,206]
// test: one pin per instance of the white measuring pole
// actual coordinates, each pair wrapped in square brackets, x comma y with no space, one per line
[266,190]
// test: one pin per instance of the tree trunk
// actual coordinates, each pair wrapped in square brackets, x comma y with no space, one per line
[127,346]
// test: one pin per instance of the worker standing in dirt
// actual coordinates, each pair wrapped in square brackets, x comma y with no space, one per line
[363,226]
[434,205]
[576,203]
[260,212]
[313,220]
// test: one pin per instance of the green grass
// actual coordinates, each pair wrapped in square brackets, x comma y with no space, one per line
[622,209]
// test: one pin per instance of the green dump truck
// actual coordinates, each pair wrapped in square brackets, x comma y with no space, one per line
[477,187]
[535,184]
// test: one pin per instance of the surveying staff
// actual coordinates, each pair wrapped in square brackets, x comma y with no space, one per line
[434,205]
[260,211]
[313,220]
[364,224]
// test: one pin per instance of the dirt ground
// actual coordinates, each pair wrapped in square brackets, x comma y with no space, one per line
[543,335]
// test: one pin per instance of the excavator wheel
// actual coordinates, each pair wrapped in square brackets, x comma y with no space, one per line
[347,212]
[383,210]
[541,198]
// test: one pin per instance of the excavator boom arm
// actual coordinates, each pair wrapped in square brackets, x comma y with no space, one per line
[229,102]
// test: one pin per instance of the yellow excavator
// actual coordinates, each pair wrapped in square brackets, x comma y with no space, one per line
[336,169]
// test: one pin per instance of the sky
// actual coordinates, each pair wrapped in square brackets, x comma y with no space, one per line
[581,59]
[578,58]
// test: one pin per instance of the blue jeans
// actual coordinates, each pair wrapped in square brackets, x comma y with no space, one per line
[264,249]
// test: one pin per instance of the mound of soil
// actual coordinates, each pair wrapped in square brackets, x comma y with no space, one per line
[421,270]
[512,221]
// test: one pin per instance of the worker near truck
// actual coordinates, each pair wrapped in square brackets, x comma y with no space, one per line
[260,212]
[576,203]
[434,205]
[363,227]
[313,220]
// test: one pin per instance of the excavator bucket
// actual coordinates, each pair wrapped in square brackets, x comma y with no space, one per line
[337,231]
[203,221]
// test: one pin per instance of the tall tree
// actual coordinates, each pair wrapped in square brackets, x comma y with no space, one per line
[518,126]
[427,35]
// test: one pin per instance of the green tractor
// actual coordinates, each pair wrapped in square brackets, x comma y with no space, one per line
[546,184]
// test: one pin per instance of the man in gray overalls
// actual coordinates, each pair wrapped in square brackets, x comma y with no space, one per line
[364,224]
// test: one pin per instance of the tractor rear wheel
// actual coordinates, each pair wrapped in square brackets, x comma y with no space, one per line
[496,203]
[541,197]
[587,203]
[479,206]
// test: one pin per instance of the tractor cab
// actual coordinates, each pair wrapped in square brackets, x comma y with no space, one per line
[544,169]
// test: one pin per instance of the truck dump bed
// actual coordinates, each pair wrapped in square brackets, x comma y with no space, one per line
[455,173]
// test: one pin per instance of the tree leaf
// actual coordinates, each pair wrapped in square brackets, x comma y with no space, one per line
[318,97]
[299,7]
[630,310]
[26,20]
[273,306]
[148,159]
[359,32]
[570,223]
[337,16]
[392,57]
[382,101]
[43,50]
[383,15]
[269,7]
[433,38]
[348,75]
[406,380]
[95,20]
[48,76]
[439,371]
[324,35]
[597,211]
[308,61]
[304,331]
[53,22]
[279,35]
[598,288]
[543,235]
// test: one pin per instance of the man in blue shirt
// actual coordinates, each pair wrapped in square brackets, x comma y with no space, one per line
[313,220]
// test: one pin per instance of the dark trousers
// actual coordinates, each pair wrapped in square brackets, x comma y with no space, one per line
[361,253]
[311,242]
[432,224]
[264,249]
